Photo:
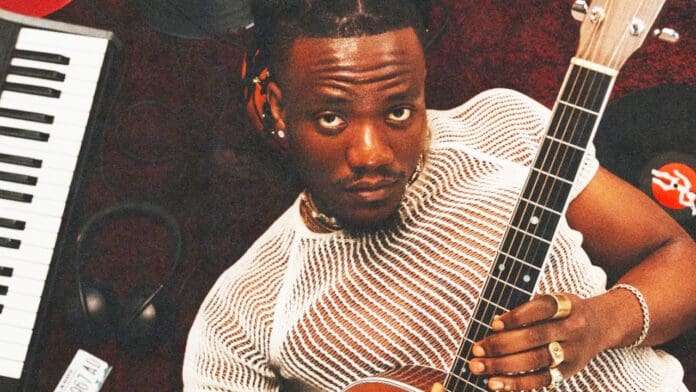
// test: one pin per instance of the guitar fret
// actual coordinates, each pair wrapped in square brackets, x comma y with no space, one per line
[511,286]
[554,139]
[552,176]
[480,323]
[552,193]
[520,260]
[525,247]
[531,234]
[504,309]
[572,126]
[579,107]
[546,208]
[560,160]
[592,91]
[536,220]
[467,382]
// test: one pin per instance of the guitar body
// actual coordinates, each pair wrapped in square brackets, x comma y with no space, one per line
[410,378]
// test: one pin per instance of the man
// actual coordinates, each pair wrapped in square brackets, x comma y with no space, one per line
[380,261]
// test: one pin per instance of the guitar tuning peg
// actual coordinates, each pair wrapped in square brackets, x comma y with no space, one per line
[666,34]
[579,10]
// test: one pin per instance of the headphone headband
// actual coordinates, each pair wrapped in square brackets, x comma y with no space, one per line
[99,221]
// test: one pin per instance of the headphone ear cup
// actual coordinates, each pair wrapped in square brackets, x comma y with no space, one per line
[90,315]
[146,319]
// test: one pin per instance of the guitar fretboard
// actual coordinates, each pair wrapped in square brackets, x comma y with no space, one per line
[520,258]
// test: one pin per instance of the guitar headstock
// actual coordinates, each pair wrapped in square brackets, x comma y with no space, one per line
[613,29]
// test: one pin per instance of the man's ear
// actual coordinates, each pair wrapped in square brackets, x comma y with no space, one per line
[277,111]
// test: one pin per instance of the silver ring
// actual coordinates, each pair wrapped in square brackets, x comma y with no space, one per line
[556,378]
[557,354]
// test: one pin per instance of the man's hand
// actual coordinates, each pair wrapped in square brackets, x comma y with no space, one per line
[517,356]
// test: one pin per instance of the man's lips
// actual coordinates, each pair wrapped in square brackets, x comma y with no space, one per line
[371,190]
[366,184]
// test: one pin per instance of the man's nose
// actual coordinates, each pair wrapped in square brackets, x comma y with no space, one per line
[369,148]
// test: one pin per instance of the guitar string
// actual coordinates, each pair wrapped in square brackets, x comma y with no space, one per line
[594,76]
[566,148]
[535,207]
[495,284]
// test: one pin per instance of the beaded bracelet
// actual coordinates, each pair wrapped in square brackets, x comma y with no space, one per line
[643,308]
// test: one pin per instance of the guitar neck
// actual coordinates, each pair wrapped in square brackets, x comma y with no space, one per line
[517,266]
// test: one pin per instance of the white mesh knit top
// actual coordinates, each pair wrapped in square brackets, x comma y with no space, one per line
[307,311]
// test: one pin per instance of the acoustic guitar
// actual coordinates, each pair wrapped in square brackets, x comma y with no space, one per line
[611,31]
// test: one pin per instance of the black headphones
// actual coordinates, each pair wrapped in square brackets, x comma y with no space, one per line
[141,320]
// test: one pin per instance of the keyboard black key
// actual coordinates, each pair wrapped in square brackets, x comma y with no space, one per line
[9,243]
[1,307]
[33,90]
[11,224]
[16,196]
[24,134]
[6,271]
[28,116]
[3,290]
[36,73]
[18,178]
[40,56]
[20,161]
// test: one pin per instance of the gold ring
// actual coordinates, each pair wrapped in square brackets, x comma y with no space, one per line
[557,354]
[556,379]
[563,305]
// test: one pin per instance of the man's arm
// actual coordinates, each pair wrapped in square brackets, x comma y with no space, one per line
[220,354]
[638,244]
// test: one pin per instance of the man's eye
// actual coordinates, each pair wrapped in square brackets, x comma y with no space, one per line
[400,114]
[330,121]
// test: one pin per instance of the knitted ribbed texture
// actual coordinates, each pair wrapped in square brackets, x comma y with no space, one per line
[322,310]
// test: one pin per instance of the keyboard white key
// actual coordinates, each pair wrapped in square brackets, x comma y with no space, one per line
[47,207]
[47,105]
[20,301]
[49,159]
[78,58]
[17,318]
[55,131]
[61,43]
[34,222]
[36,104]
[25,269]
[28,253]
[10,368]
[70,148]
[41,239]
[25,287]
[75,87]
[14,334]
[13,351]
[40,191]
[87,74]
[60,177]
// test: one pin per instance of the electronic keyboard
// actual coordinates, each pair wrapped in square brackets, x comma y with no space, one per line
[57,80]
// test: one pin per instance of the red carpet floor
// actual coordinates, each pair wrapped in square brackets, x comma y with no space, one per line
[177,136]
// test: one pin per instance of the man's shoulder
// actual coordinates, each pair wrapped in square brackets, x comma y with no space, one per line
[492,99]
[500,122]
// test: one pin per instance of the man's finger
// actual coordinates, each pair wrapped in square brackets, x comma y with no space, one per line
[539,309]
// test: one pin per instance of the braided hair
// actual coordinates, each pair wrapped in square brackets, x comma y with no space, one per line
[278,23]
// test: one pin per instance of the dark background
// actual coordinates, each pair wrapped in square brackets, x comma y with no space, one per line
[177,136]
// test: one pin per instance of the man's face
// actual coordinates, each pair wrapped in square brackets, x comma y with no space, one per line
[354,113]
